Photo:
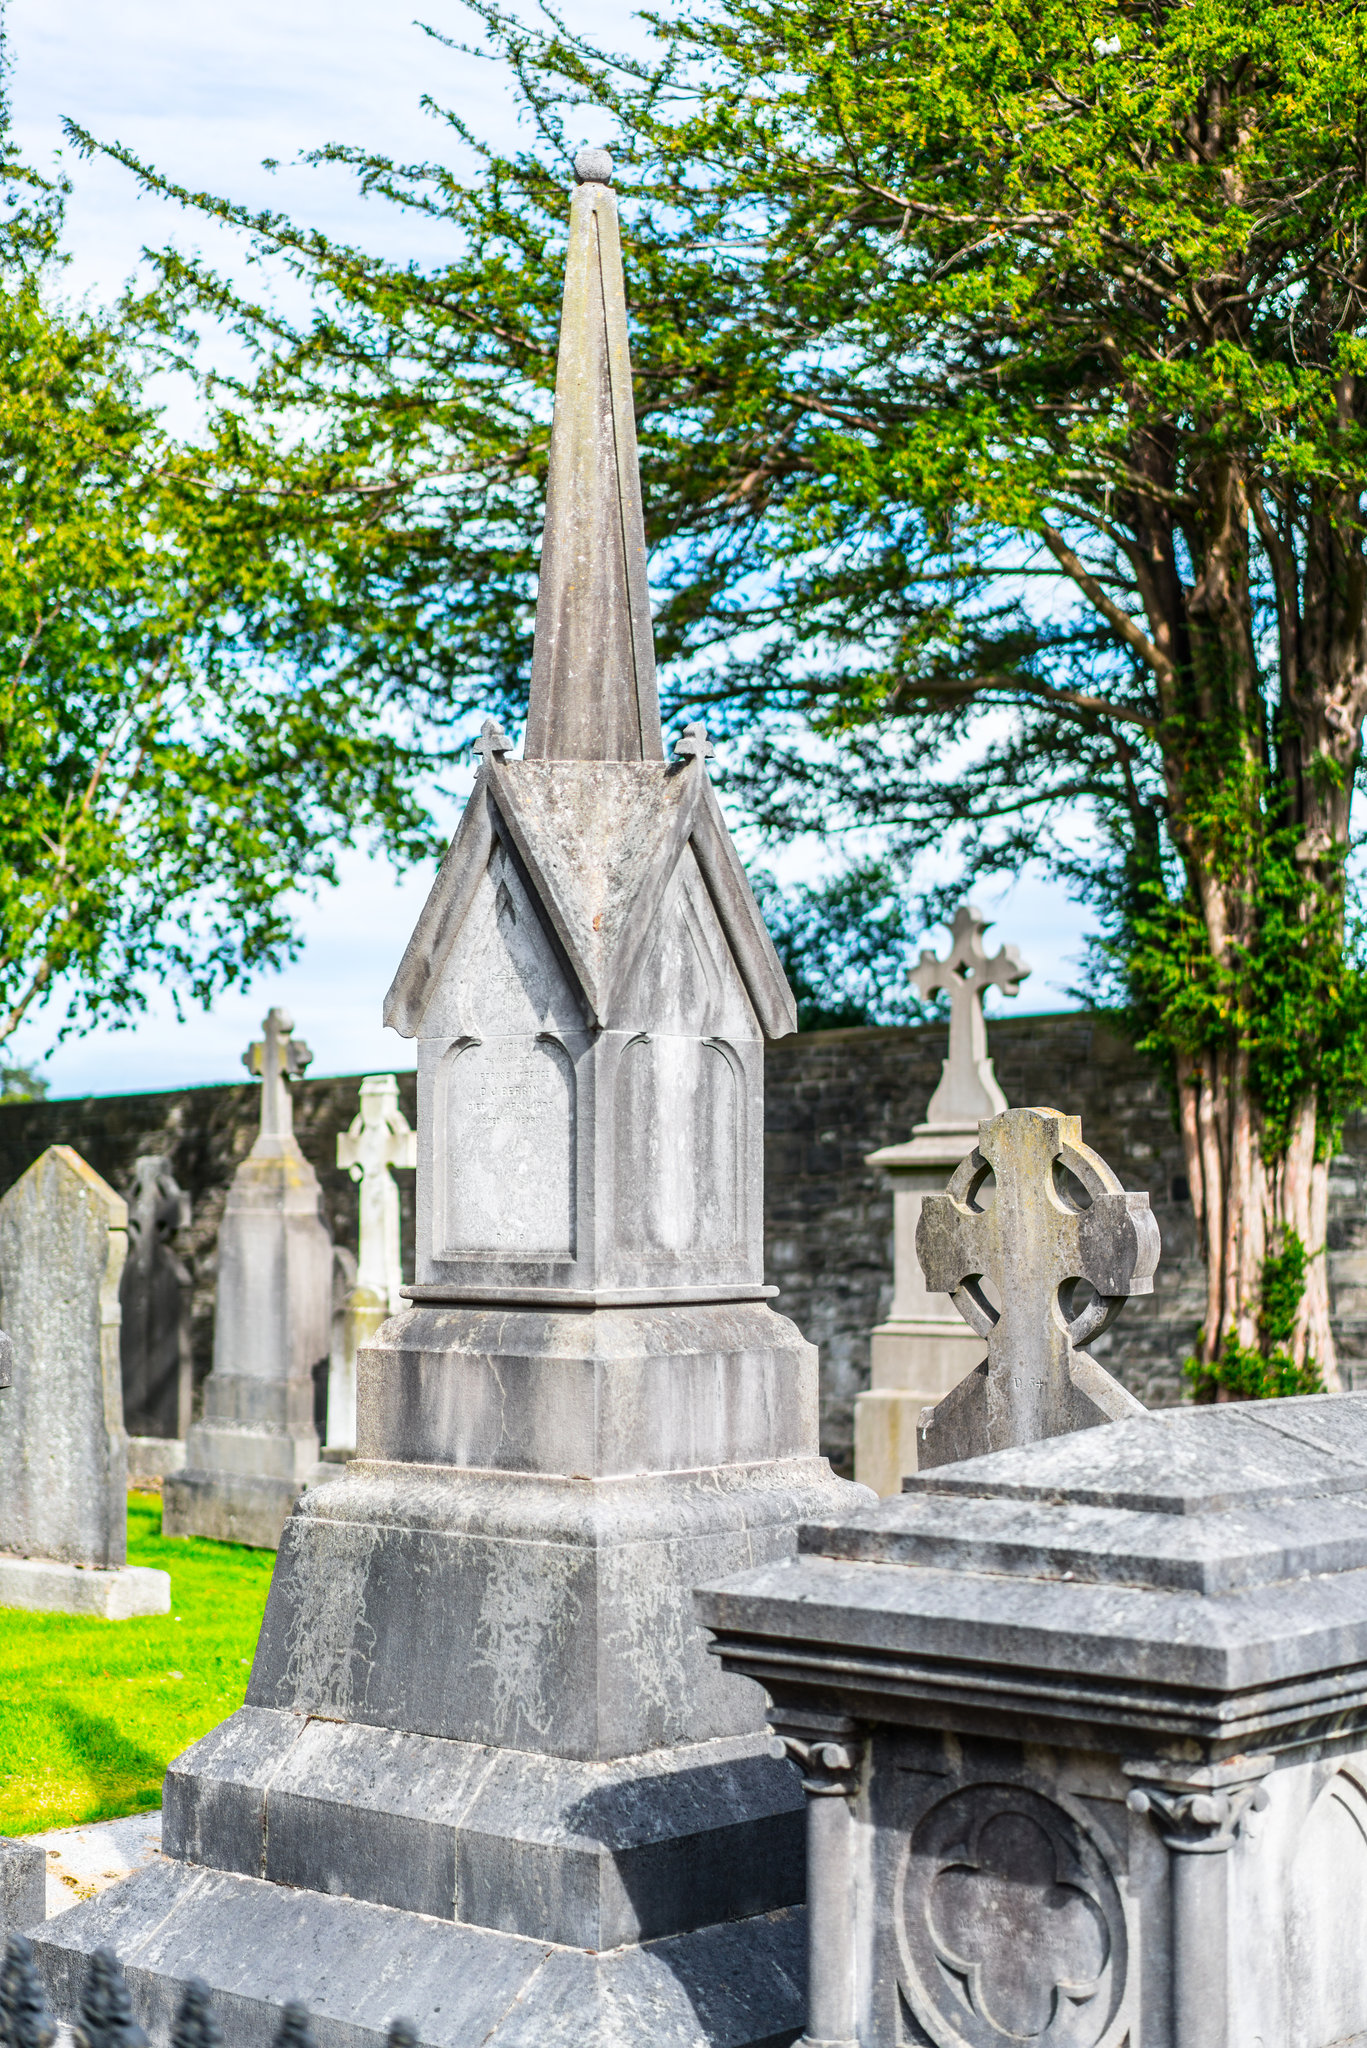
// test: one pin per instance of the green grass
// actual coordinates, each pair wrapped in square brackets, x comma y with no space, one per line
[91,1712]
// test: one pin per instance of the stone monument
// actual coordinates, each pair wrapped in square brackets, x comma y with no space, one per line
[1083,1727]
[154,1338]
[1038,1247]
[379,1139]
[923,1349]
[63,1453]
[485,1756]
[256,1447]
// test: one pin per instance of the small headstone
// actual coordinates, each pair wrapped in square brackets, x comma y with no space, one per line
[923,1349]
[379,1139]
[154,1295]
[1038,1266]
[63,1453]
[256,1447]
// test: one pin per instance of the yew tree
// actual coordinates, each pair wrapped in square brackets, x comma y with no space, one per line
[1001,387]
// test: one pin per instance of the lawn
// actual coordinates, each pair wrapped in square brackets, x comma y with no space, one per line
[91,1712]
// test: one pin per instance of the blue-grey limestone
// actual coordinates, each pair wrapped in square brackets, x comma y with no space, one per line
[924,1349]
[63,1452]
[1039,1248]
[154,1302]
[486,1774]
[23,1885]
[1084,1726]
[255,1448]
[378,1139]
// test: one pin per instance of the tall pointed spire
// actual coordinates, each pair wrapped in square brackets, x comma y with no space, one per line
[593,695]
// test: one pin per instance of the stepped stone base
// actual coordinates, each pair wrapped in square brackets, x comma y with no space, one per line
[357,1966]
[590,1854]
[234,1507]
[117,1592]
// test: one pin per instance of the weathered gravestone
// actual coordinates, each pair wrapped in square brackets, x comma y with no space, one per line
[484,1754]
[1039,1248]
[1084,1731]
[379,1139]
[63,1453]
[154,1301]
[256,1446]
[923,1349]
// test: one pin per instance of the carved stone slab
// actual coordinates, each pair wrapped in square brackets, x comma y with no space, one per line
[1039,1247]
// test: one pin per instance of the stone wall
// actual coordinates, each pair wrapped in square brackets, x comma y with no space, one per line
[832,1097]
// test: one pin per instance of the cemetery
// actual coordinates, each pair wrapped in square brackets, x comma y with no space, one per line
[657,1527]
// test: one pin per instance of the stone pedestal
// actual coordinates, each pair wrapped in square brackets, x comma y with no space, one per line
[256,1448]
[1087,1723]
[924,1348]
[63,1451]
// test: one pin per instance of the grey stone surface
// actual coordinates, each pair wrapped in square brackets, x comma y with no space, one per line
[481,1709]
[23,1885]
[1039,1247]
[923,1349]
[1089,1718]
[256,1446]
[358,1965]
[590,1854]
[63,1454]
[119,1592]
[154,1334]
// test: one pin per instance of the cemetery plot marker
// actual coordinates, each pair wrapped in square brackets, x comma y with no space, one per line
[379,1139]
[923,1349]
[1062,1247]
[63,1452]
[256,1447]
[482,1733]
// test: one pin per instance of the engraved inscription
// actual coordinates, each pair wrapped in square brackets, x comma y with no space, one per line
[508,1127]
[1011,1927]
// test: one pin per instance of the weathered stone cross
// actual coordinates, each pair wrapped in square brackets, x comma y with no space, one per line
[1061,1246]
[968,1087]
[380,1137]
[278,1058]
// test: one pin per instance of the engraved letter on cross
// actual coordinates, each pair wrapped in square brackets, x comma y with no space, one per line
[1062,1246]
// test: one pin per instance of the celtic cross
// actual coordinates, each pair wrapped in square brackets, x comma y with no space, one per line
[278,1058]
[1061,1246]
[968,1087]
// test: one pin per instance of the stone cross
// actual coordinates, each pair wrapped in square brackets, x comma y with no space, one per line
[968,1087]
[278,1057]
[1038,1267]
[379,1138]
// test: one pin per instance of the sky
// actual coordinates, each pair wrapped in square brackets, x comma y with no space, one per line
[205,94]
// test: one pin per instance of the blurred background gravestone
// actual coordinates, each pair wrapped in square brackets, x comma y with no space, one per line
[923,1348]
[63,1453]
[379,1139]
[154,1338]
[256,1446]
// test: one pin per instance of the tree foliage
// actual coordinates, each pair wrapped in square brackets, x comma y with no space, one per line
[846,946]
[1000,386]
[177,754]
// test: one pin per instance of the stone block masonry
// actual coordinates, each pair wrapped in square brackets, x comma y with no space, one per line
[831,1097]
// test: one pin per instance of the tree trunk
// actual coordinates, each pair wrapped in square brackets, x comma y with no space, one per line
[1245,1208]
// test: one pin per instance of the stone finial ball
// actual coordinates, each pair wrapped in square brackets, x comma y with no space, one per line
[593,167]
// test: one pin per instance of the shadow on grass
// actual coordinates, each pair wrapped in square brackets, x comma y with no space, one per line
[120,1774]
